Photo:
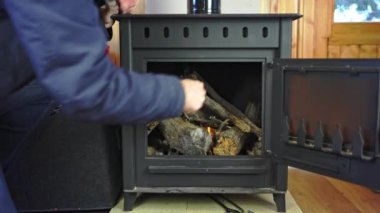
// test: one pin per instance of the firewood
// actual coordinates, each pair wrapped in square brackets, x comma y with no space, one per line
[230,142]
[185,137]
[239,120]
[151,151]
[226,109]
[201,119]
[151,126]
[253,112]
[256,150]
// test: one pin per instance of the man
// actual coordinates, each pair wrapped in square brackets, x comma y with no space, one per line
[62,43]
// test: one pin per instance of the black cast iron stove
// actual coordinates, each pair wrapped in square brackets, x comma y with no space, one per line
[243,59]
[231,51]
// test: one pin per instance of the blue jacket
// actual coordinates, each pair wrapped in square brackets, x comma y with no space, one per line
[65,45]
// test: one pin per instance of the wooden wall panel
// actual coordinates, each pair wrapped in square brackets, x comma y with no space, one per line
[307,24]
[354,51]
[368,51]
[334,51]
[311,32]
[355,33]
[284,6]
[265,6]
[359,40]
[287,6]
[316,36]
[322,28]
[349,51]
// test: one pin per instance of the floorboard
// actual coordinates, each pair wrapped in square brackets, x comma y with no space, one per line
[317,193]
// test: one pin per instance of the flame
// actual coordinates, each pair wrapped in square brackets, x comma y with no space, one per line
[211,132]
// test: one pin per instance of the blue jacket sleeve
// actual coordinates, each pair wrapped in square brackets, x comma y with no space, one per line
[66,46]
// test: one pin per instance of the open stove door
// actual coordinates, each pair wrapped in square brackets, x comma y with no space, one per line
[325,117]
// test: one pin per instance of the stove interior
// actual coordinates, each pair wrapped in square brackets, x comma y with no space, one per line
[235,87]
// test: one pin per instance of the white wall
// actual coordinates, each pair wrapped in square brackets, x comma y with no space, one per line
[165,6]
[240,6]
[180,6]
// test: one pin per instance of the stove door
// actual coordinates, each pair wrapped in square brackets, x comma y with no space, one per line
[325,117]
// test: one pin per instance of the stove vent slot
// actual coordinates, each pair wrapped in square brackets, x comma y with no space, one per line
[245,32]
[166,32]
[265,32]
[205,32]
[187,33]
[146,32]
[225,32]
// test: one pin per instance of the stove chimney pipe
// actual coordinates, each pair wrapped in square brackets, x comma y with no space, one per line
[204,6]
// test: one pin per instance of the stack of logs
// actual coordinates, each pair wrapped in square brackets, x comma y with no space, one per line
[219,128]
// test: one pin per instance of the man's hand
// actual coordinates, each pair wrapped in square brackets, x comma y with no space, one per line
[110,8]
[195,95]
[126,6]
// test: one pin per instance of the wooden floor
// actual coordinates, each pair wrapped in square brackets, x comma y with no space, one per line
[320,194]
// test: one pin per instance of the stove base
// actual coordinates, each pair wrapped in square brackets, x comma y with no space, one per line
[130,196]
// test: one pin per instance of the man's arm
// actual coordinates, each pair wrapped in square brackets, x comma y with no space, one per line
[66,45]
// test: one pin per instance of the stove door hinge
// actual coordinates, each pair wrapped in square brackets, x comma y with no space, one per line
[269,65]
[268,152]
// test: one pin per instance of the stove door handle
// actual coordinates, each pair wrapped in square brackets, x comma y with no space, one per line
[213,170]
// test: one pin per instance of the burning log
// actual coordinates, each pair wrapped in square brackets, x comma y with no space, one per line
[238,119]
[185,137]
[226,110]
[230,142]
[201,119]
[188,135]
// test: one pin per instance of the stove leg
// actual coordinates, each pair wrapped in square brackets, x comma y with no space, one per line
[279,199]
[129,200]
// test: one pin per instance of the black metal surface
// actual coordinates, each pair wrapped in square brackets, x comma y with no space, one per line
[279,199]
[210,42]
[301,132]
[341,142]
[197,6]
[291,16]
[318,136]
[337,140]
[210,170]
[338,101]
[205,190]
[166,33]
[344,88]
[129,200]
[204,6]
